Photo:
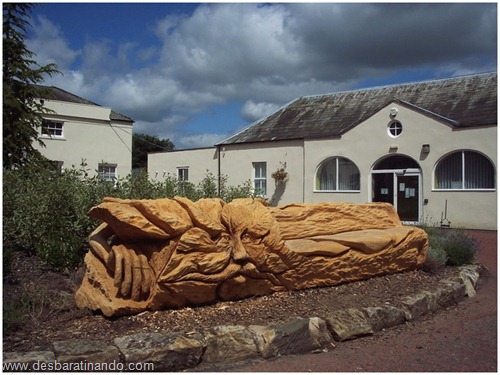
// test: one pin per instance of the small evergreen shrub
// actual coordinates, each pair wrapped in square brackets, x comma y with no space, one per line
[61,251]
[456,244]
[207,188]
[436,259]
[460,248]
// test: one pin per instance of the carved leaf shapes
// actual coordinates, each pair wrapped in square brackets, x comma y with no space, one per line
[127,222]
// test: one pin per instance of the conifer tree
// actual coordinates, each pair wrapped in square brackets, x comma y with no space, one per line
[21,73]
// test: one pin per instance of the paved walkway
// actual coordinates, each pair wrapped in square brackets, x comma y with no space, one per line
[463,338]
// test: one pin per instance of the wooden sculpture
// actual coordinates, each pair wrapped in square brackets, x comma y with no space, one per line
[171,253]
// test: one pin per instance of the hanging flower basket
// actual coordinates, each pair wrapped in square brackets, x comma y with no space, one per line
[280,175]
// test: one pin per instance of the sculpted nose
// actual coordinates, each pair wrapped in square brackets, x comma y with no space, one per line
[239,253]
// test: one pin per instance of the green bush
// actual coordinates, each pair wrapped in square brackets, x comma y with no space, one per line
[460,248]
[456,244]
[436,259]
[60,250]
[207,188]
[45,212]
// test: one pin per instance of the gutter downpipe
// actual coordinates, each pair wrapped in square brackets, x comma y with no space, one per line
[303,170]
[218,170]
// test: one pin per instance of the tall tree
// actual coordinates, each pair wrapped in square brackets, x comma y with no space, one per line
[143,143]
[21,109]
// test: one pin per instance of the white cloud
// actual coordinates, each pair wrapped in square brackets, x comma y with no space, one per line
[199,140]
[264,56]
[55,49]
[252,111]
[230,43]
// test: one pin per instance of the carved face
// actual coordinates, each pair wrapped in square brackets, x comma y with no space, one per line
[247,244]
[178,252]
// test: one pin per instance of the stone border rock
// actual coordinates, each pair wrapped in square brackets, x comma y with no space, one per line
[229,344]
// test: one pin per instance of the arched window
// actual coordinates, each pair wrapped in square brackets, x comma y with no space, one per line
[464,170]
[337,174]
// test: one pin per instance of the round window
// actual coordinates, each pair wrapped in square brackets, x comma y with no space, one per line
[395,128]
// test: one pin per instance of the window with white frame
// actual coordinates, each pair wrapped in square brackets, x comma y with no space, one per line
[183,174]
[337,174]
[107,172]
[260,178]
[464,170]
[394,129]
[53,129]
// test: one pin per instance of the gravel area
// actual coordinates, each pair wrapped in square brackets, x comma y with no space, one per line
[51,315]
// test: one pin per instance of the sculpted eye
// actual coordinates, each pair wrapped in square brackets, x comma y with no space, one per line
[246,238]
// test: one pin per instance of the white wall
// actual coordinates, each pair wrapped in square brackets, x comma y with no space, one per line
[237,163]
[88,134]
[77,110]
[198,161]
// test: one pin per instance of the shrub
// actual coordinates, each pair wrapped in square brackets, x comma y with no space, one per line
[139,186]
[45,212]
[207,188]
[456,244]
[60,250]
[228,193]
[460,248]
[435,260]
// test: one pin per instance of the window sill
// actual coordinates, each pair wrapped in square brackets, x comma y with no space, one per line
[463,190]
[411,222]
[47,137]
[336,191]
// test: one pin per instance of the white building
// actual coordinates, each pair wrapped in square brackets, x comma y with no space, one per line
[78,129]
[429,148]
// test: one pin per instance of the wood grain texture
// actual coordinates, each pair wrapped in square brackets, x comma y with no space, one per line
[171,253]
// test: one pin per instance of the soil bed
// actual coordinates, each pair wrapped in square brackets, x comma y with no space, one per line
[46,312]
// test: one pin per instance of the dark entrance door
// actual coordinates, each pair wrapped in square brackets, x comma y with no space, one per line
[383,187]
[408,197]
[396,180]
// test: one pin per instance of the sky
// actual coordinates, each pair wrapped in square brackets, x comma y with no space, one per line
[198,73]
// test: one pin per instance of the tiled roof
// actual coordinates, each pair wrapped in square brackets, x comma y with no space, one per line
[55,93]
[461,101]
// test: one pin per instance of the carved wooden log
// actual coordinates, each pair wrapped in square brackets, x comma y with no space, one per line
[170,253]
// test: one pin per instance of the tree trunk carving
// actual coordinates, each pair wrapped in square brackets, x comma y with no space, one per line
[171,253]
